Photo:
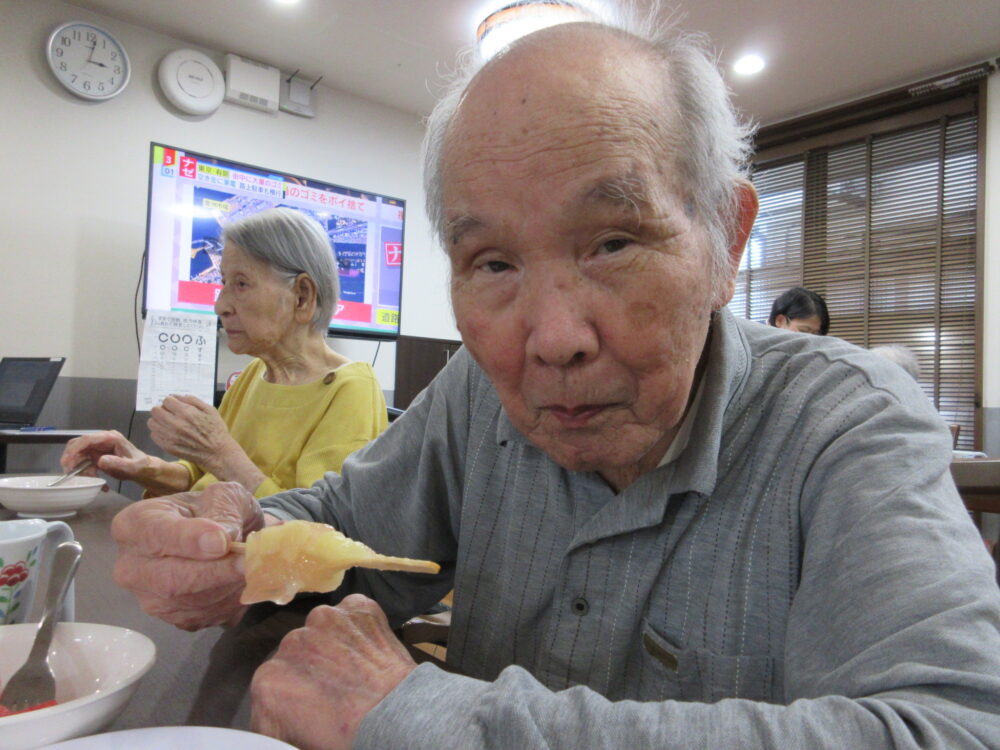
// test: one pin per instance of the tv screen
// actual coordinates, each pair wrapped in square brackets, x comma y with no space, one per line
[192,196]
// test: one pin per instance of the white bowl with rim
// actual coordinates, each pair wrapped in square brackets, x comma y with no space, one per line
[31,498]
[97,669]
[171,738]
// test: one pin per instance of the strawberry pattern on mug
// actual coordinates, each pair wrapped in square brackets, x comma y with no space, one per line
[12,578]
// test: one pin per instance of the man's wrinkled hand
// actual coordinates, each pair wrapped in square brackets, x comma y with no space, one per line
[326,676]
[173,554]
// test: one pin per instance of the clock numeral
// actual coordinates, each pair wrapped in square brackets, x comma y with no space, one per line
[65,41]
[118,69]
[86,85]
[75,76]
[58,52]
[104,44]
[114,55]
[100,86]
[62,66]
[110,82]
[76,35]
[91,37]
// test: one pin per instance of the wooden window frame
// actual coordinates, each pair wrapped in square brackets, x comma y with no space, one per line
[960,93]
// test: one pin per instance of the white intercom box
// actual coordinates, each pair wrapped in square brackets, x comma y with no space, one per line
[252,84]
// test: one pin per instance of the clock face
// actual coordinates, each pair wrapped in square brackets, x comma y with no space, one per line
[88,60]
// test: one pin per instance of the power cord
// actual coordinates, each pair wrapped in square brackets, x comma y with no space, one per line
[128,436]
[138,344]
[135,302]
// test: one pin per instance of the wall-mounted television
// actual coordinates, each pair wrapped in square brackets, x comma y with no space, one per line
[192,195]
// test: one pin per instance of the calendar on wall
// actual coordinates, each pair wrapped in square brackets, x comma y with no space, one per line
[177,358]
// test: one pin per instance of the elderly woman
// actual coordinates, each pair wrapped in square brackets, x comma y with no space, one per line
[295,412]
[800,310]
[902,356]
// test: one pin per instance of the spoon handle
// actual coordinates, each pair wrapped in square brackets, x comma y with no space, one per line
[85,464]
[64,565]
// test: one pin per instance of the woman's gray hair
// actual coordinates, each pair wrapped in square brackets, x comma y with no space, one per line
[713,146]
[291,243]
[901,355]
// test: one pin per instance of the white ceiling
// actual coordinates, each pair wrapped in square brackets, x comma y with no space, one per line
[819,53]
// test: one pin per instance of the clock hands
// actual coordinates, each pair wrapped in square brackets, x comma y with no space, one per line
[90,58]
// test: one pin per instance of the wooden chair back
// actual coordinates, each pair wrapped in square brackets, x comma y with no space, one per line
[955,430]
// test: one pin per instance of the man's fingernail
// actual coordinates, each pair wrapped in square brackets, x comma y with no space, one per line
[214,543]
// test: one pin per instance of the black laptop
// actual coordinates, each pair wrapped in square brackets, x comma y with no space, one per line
[25,385]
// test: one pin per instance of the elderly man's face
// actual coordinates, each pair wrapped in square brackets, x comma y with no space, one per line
[581,282]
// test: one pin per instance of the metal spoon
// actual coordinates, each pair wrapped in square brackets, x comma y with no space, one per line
[33,683]
[85,464]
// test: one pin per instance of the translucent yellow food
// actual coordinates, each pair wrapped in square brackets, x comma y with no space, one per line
[304,556]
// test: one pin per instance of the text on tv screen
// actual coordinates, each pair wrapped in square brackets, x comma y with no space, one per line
[192,196]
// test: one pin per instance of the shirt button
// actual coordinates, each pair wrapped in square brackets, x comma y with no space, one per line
[580,606]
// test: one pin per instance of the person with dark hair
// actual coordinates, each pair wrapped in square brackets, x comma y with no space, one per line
[800,310]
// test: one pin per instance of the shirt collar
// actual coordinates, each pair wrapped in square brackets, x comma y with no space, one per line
[727,371]
[680,441]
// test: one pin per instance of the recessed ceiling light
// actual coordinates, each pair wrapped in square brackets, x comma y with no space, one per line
[512,20]
[748,65]
[287,2]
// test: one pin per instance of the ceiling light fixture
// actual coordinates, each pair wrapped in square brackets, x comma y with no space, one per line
[748,65]
[513,20]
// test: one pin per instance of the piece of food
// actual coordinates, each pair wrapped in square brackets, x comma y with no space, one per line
[4,711]
[304,556]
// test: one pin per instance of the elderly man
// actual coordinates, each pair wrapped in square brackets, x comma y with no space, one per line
[645,506]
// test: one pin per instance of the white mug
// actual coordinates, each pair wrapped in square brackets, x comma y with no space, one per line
[24,547]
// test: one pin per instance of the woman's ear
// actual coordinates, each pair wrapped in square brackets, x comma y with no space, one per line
[305,298]
[780,321]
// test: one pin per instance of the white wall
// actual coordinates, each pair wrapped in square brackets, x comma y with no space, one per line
[73,191]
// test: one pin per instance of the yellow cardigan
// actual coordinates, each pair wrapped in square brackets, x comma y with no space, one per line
[296,433]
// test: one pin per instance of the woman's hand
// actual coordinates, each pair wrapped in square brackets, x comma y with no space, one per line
[173,554]
[113,454]
[189,428]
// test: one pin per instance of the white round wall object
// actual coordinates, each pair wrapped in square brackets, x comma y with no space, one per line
[192,81]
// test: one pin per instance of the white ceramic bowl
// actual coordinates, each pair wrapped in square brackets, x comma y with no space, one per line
[172,738]
[97,669]
[32,499]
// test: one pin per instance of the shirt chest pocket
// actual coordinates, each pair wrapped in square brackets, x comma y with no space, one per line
[703,676]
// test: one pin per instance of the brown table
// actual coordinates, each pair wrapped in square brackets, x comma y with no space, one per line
[199,678]
[978,482]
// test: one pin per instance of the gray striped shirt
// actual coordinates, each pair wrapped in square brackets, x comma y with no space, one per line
[803,574]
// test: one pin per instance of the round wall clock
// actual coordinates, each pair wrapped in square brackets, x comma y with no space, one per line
[88,60]
[192,81]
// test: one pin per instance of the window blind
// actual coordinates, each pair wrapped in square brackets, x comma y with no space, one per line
[884,226]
